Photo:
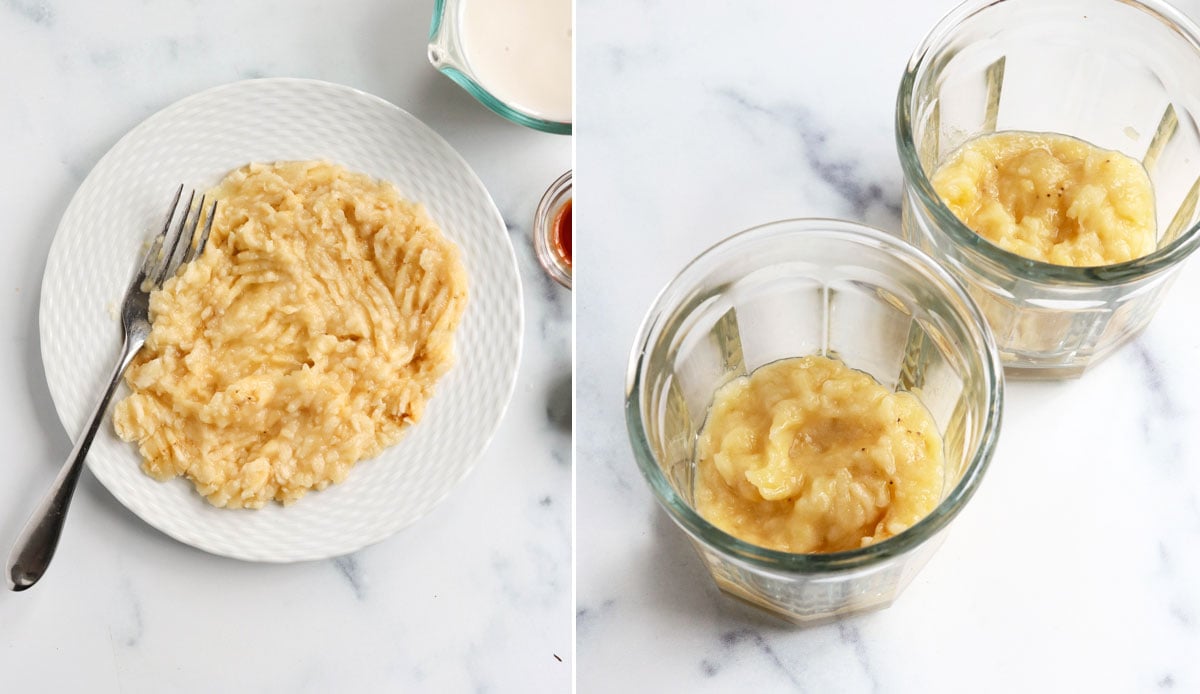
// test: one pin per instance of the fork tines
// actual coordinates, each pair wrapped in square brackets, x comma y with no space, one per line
[158,266]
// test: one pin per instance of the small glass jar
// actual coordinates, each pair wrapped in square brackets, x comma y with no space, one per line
[546,222]
[795,288]
[1120,74]
[447,53]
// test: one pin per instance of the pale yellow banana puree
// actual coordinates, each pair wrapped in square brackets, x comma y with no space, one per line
[1051,197]
[308,336]
[808,455]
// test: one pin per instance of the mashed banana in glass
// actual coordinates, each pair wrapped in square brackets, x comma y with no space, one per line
[808,455]
[308,336]
[1051,197]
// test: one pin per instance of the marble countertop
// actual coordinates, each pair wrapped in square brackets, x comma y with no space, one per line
[474,597]
[1076,567]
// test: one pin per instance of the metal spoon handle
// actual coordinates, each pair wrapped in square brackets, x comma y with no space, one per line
[35,546]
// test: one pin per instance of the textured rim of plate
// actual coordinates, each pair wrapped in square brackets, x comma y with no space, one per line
[379,532]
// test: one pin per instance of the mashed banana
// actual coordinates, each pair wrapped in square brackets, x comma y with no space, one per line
[1051,197]
[306,337]
[808,455]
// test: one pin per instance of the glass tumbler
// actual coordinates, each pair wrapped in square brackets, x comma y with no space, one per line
[796,288]
[1120,74]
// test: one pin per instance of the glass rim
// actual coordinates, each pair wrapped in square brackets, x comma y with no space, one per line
[1026,268]
[928,527]
[481,94]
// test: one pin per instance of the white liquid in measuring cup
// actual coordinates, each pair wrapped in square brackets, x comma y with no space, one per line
[520,51]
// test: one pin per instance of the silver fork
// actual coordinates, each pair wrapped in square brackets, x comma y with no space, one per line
[38,540]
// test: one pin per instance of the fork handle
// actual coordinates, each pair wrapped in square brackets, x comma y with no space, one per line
[35,547]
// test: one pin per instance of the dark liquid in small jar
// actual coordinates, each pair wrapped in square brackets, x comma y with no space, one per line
[562,232]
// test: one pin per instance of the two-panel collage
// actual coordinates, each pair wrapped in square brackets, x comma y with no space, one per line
[553,346]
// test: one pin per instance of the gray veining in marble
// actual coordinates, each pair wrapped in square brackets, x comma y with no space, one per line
[37,12]
[844,176]
[733,642]
[850,635]
[350,570]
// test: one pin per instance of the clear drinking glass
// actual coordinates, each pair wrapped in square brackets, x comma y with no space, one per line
[795,288]
[446,53]
[1121,74]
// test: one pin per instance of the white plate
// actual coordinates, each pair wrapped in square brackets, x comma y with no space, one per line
[197,141]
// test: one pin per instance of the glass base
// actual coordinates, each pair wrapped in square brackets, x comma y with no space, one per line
[1023,369]
[1014,372]
[746,598]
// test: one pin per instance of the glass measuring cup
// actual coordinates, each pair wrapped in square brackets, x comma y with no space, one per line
[450,53]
